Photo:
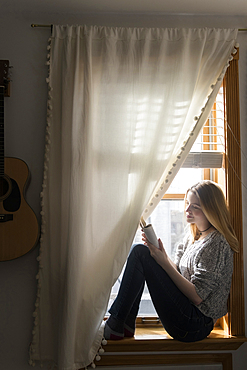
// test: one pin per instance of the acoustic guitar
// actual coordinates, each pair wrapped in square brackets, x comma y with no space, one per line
[19,230]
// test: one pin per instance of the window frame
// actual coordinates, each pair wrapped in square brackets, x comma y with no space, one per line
[234,322]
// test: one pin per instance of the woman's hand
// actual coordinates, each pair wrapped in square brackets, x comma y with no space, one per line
[159,254]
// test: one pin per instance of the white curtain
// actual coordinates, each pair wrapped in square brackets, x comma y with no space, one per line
[124,108]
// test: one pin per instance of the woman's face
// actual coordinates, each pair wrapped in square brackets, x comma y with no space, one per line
[194,213]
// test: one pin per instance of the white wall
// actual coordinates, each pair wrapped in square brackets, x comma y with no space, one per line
[25,120]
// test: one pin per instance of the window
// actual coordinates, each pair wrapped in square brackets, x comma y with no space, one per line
[215,156]
[203,162]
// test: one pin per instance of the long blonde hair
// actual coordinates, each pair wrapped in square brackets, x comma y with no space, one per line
[213,205]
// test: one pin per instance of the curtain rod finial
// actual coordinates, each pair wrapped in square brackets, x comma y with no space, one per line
[33,25]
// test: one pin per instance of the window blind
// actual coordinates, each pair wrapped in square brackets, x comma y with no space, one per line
[209,148]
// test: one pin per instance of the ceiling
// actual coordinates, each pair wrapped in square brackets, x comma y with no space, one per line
[196,7]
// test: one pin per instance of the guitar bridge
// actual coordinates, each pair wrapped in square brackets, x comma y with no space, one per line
[5,218]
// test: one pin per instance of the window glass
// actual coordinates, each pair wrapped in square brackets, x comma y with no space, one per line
[185,178]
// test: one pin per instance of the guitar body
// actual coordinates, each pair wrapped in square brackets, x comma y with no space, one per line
[19,230]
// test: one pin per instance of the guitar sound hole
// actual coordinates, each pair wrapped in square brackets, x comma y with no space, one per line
[13,201]
[4,186]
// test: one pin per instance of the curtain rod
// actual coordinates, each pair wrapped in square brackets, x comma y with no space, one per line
[33,25]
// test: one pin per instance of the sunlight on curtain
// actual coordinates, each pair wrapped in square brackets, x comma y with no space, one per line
[121,119]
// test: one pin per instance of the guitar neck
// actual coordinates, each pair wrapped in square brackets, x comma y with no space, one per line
[2,89]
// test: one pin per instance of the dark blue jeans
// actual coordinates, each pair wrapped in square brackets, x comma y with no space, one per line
[181,319]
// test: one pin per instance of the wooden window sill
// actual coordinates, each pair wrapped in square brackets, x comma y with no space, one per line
[155,339]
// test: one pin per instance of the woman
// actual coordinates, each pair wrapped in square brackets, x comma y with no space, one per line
[191,293]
